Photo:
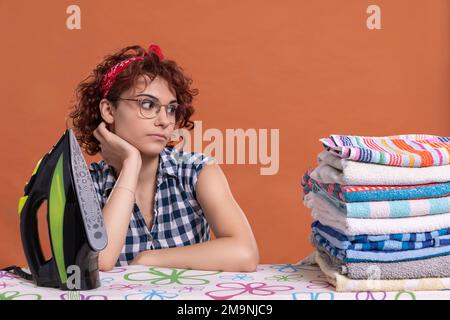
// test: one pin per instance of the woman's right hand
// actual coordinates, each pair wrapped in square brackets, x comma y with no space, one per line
[114,149]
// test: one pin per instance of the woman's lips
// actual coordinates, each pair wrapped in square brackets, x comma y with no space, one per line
[158,136]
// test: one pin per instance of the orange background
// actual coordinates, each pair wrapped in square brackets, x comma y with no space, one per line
[308,68]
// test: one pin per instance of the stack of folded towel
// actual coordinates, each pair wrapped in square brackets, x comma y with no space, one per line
[381,211]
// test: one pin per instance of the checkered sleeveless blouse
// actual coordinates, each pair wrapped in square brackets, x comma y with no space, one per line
[178,218]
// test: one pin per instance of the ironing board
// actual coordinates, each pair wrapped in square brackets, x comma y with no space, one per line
[269,282]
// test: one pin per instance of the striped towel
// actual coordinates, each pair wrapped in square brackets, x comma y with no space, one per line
[389,242]
[355,193]
[410,150]
[379,209]
[378,256]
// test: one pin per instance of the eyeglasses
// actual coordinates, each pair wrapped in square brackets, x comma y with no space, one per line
[149,108]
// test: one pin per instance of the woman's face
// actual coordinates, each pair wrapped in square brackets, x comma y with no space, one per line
[129,123]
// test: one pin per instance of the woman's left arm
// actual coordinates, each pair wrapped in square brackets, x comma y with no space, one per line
[234,248]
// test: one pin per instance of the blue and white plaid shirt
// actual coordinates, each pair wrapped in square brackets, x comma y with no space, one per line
[178,218]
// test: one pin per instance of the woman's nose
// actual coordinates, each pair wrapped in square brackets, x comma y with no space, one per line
[161,117]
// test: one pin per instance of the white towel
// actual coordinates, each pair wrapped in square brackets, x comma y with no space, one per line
[356,226]
[377,209]
[342,283]
[332,169]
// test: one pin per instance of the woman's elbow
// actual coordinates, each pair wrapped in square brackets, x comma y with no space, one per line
[105,265]
[250,260]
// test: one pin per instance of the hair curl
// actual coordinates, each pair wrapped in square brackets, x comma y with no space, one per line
[86,112]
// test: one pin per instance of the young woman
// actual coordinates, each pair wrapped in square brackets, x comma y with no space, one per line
[157,207]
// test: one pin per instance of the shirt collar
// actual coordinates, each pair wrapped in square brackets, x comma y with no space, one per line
[167,167]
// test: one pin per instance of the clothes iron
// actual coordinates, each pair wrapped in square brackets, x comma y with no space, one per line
[75,221]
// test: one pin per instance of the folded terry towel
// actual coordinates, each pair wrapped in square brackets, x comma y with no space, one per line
[380,209]
[437,267]
[411,150]
[355,226]
[343,283]
[331,169]
[365,193]
[388,242]
[378,256]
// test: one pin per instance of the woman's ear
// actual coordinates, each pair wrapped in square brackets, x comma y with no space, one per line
[107,111]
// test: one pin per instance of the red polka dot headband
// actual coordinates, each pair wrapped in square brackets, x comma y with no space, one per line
[110,76]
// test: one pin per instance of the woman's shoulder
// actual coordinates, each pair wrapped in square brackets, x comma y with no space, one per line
[186,165]
[187,159]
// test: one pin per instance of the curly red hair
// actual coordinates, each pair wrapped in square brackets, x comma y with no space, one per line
[86,113]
